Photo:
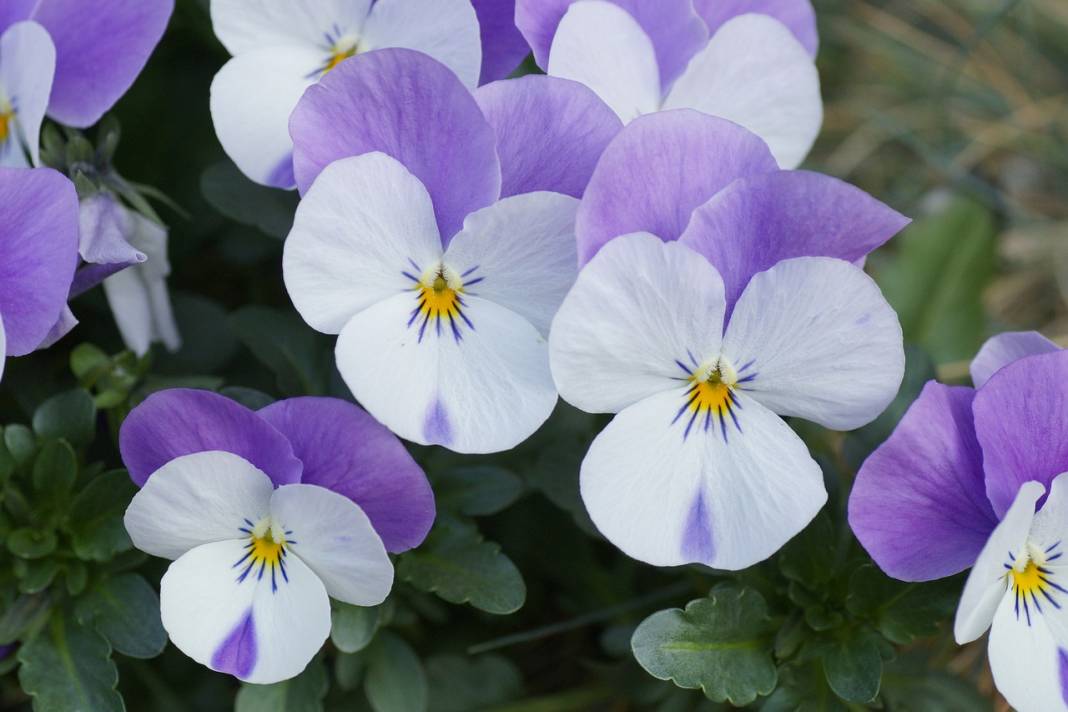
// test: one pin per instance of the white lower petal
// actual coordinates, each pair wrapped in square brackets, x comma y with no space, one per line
[127,295]
[671,487]
[27,65]
[526,244]
[255,629]
[1029,660]
[599,44]
[484,387]
[755,72]
[446,30]
[252,97]
[987,585]
[196,499]
[334,537]
[817,340]
[364,223]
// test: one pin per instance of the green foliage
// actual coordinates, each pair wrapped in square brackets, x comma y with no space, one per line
[304,693]
[396,679]
[241,200]
[125,610]
[68,668]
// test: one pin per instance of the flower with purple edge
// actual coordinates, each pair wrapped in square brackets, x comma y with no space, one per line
[38,254]
[27,64]
[282,47]
[957,484]
[426,250]
[752,63]
[266,515]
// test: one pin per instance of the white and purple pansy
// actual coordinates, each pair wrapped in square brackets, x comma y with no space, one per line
[100,46]
[267,515]
[752,63]
[27,65]
[38,254]
[440,284]
[282,47]
[958,484]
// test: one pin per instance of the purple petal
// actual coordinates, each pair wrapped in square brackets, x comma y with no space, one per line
[697,538]
[918,504]
[658,170]
[346,450]
[503,46]
[182,421]
[103,245]
[101,47]
[676,30]
[758,221]
[236,655]
[38,253]
[12,11]
[1001,350]
[1021,419]
[411,107]
[550,133]
[798,15]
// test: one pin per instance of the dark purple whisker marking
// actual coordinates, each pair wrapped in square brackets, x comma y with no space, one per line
[469,271]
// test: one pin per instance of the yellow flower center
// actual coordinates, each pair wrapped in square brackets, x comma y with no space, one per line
[440,301]
[265,552]
[7,117]
[710,397]
[1031,580]
[345,47]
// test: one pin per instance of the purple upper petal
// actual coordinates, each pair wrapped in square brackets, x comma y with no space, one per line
[676,30]
[182,421]
[798,15]
[758,221]
[346,450]
[1021,419]
[918,504]
[1001,350]
[12,11]
[550,133]
[412,108]
[38,253]
[503,46]
[658,170]
[101,47]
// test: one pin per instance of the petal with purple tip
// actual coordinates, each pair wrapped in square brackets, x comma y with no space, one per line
[798,15]
[1001,350]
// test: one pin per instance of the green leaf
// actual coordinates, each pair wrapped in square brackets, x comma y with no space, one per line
[459,684]
[911,685]
[68,668]
[935,282]
[720,644]
[55,470]
[20,442]
[803,689]
[809,557]
[248,397]
[88,362]
[458,565]
[95,524]
[396,681]
[296,354]
[241,200]
[30,543]
[70,416]
[477,490]
[39,575]
[854,667]
[349,669]
[125,610]
[901,611]
[352,627]
[26,612]
[208,342]
[304,693]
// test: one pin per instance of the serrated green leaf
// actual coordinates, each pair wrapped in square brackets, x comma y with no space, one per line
[396,681]
[352,627]
[55,470]
[477,490]
[458,565]
[854,667]
[460,684]
[901,611]
[25,612]
[241,200]
[70,416]
[125,610]
[720,644]
[95,522]
[68,668]
[304,693]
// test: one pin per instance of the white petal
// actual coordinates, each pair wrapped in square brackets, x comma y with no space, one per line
[642,316]
[151,238]
[196,499]
[486,391]
[525,253]
[27,65]
[246,25]
[447,30]
[334,537]
[986,586]
[106,228]
[756,73]
[671,490]
[365,222]
[1001,350]
[252,97]
[600,45]
[1028,661]
[127,295]
[1051,522]
[255,630]
[3,346]
[819,340]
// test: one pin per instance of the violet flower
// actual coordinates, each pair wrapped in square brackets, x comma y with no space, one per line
[27,63]
[724,59]
[440,284]
[267,514]
[957,485]
[503,45]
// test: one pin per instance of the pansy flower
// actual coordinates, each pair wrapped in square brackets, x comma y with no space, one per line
[958,484]
[267,515]
[425,249]
[38,254]
[644,56]
[281,47]
[503,45]
[27,64]
[100,48]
